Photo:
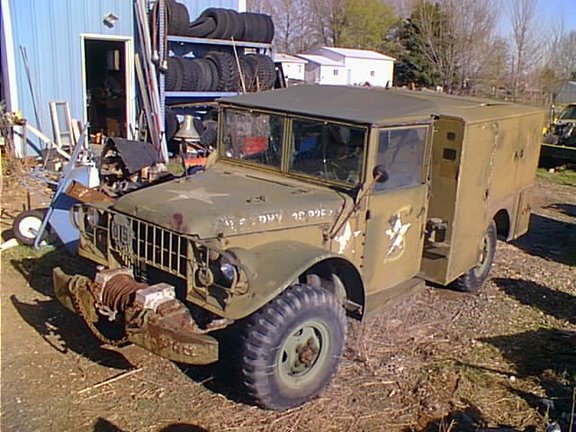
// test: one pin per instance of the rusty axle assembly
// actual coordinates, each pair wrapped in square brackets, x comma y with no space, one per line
[119,309]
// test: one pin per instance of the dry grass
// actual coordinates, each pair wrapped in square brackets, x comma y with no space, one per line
[439,361]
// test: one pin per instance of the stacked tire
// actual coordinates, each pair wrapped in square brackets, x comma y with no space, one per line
[218,71]
[217,23]
[178,18]
[227,70]
[259,72]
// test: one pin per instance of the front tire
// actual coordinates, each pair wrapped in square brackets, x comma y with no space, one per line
[292,347]
[473,279]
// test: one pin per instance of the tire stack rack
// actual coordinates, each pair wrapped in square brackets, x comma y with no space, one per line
[220,53]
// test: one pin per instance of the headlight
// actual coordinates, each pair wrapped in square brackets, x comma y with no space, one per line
[229,271]
[92,217]
[233,270]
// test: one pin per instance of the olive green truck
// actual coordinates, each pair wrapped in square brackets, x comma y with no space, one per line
[322,203]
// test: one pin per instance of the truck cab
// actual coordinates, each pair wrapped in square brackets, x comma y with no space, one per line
[322,202]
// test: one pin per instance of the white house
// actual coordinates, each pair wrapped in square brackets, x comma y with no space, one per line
[293,67]
[323,70]
[359,66]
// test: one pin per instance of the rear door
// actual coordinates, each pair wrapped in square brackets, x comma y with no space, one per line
[397,208]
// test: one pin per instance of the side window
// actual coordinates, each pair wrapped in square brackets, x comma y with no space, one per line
[401,153]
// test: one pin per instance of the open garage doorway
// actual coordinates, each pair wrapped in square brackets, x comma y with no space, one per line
[107,89]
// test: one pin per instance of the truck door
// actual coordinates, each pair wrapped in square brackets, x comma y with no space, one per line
[396,208]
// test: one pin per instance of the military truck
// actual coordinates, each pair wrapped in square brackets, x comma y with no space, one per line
[323,202]
[563,129]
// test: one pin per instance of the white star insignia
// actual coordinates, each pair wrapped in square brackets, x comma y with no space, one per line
[199,194]
[397,232]
[344,238]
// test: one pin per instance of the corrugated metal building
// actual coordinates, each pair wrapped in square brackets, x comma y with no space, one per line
[72,48]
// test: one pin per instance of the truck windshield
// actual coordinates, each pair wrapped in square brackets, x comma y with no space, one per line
[327,151]
[253,137]
[569,113]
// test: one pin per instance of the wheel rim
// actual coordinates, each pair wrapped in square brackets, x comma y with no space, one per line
[303,353]
[29,227]
[483,258]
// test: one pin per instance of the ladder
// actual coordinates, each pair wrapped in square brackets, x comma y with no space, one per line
[65,130]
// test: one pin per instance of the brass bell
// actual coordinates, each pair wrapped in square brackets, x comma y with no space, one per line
[187,131]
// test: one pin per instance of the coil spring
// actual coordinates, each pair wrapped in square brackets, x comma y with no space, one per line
[119,292]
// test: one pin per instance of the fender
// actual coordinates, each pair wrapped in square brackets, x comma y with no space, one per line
[271,269]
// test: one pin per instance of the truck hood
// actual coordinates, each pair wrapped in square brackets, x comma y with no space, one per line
[220,201]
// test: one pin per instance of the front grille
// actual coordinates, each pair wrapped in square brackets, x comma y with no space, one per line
[137,242]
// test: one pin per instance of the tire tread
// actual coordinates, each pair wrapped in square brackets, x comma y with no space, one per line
[258,358]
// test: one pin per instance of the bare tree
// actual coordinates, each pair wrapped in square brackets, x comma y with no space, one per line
[474,24]
[561,59]
[285,13]
[329,16]
[435,36]
[525,56]
[495,69]
[259,6]
[567,56]
[292,23]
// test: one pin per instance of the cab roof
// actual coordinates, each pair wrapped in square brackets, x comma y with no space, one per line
[377,106]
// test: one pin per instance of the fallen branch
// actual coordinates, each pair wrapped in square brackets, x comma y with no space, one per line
[110,380]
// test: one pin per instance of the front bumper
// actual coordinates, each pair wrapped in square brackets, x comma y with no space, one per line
[143,315]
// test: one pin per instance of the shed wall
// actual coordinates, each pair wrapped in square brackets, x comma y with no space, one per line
[51,33]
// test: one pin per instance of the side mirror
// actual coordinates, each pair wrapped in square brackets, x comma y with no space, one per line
[380,174]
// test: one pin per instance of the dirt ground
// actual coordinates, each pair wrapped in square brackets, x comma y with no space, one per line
[502,360]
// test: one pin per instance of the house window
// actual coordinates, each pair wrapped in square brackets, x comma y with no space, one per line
[299,68]
[372,73]
[335,72]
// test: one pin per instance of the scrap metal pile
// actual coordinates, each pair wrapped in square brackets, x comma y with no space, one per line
[127,165]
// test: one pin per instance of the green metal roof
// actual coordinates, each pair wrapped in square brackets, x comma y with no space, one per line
[376,105]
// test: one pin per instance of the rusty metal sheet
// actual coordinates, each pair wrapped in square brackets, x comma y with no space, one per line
[87,195]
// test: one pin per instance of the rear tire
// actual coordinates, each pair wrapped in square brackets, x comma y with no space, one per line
[292,347]
[473,279]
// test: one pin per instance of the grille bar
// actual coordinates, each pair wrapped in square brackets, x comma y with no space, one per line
[139,242]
